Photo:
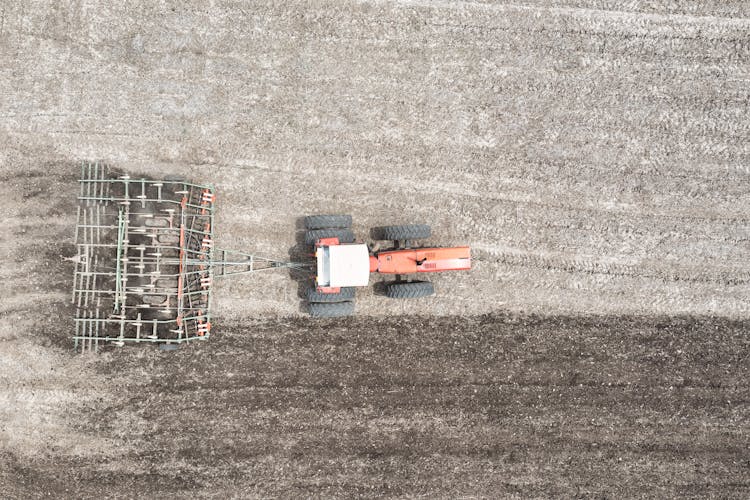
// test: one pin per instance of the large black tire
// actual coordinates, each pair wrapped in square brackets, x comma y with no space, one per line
[346,294]
[331,309]
[405,232]
[327,221]
[409,289]
[344,235]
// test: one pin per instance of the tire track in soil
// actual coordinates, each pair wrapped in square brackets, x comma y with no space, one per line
[594,265]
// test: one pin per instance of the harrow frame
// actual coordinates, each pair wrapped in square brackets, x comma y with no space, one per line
[145,262]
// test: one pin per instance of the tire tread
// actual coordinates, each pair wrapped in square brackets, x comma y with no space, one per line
[346,294]
[344,235]
[326,221]
[331,309]
[410,289]
[405,232]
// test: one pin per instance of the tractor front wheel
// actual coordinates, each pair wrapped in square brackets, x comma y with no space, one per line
[404,232]
[409,289]
[331,309]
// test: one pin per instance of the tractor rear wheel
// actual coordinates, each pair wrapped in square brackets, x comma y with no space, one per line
[331,309]
[409,289]
[328,221]
[346,293]
[344,235]
[404,232]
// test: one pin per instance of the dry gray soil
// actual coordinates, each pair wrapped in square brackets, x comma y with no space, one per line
[594,154]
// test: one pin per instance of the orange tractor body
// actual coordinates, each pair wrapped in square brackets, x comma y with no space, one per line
[421,260]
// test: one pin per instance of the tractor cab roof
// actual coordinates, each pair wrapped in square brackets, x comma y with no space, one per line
[343,265]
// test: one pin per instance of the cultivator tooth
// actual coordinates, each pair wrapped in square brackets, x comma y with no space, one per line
[207,196]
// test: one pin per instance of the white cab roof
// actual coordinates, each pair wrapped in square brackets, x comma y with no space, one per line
[343,265]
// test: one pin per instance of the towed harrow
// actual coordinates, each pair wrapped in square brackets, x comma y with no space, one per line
[146,262]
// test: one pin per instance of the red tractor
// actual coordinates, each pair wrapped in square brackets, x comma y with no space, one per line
[343,264]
